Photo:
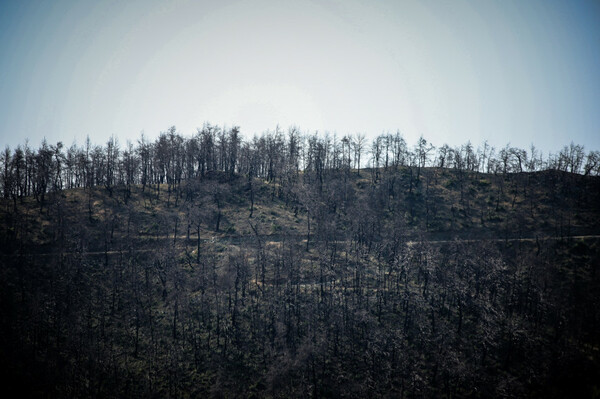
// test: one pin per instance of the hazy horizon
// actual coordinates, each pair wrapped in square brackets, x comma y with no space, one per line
[506,72]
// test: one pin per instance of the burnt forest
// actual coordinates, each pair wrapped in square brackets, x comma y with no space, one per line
[300,265]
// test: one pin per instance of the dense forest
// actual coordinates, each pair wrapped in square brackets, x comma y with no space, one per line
[299,265]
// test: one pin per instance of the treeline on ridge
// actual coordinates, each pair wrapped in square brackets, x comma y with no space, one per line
[273,156]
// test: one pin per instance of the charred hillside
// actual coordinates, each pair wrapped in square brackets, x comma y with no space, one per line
[252,277]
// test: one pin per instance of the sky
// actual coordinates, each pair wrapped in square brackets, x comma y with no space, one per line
[518,72]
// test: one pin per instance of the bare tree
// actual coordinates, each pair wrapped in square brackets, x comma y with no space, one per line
[358,143]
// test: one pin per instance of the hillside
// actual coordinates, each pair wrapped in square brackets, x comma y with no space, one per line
[397,282]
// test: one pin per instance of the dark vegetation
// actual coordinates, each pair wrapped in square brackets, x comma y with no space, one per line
[284,267]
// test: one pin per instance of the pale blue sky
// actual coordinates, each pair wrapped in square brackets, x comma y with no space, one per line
[506,71]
